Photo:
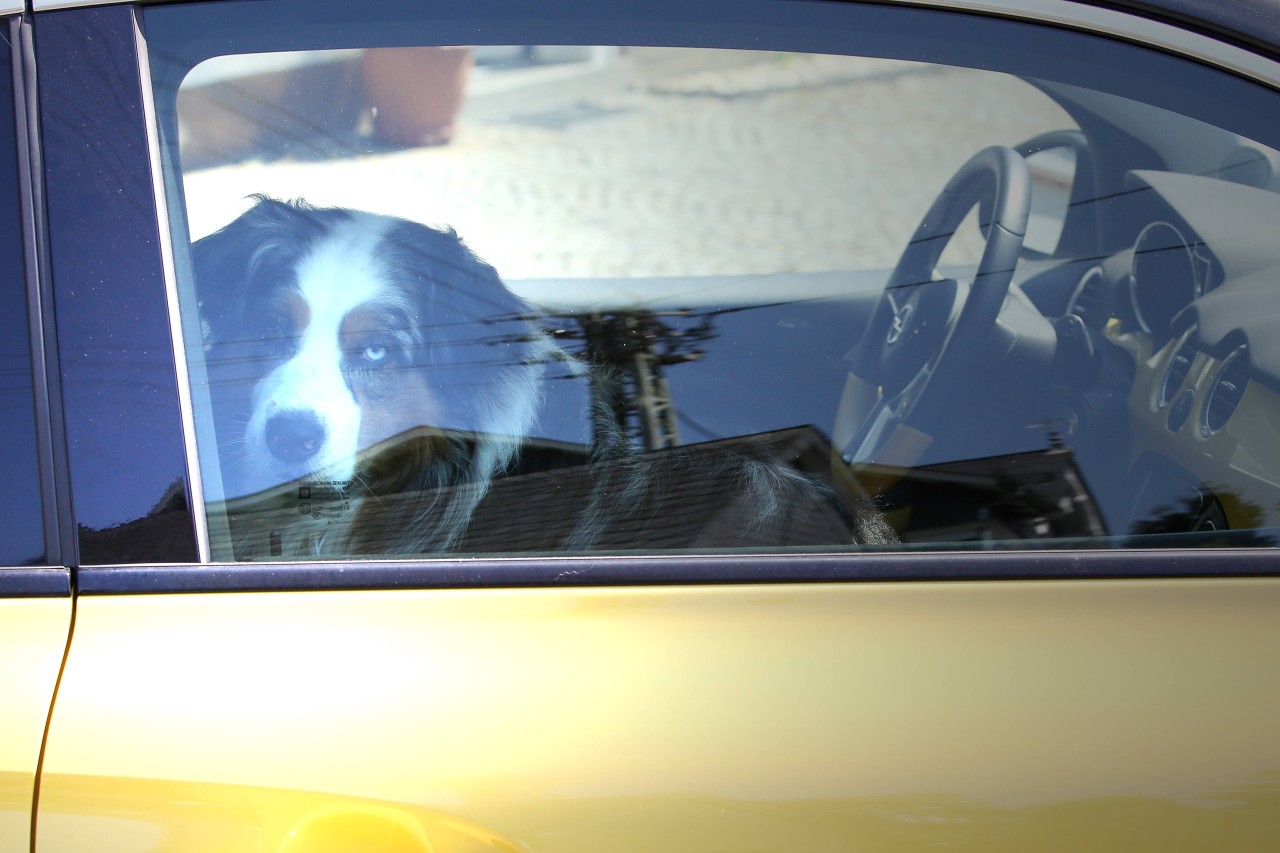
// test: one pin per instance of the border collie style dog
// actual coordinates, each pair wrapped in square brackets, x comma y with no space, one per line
[329,333]
[371,377]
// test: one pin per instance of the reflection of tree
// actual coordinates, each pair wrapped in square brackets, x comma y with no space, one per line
[1204,513]
[163,535]
[628,351]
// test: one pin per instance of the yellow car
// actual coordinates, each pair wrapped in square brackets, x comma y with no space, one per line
[699,427]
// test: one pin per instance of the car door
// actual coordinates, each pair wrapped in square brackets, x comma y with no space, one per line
[791,519]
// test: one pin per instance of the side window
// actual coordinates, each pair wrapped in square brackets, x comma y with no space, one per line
[510,298]
[21,510]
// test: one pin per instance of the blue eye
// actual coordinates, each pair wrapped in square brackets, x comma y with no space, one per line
[374,353]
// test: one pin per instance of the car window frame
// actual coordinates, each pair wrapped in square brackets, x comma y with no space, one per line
[124,572]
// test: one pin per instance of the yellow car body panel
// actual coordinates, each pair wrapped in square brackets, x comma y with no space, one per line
[1010,716]
[115,815]
[33,638]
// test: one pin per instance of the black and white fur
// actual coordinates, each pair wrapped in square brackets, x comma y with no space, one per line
[329,333]
[384,358]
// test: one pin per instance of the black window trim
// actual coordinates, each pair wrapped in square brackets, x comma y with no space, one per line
[1233,37]
[52,582]
[680,570]
[61,547]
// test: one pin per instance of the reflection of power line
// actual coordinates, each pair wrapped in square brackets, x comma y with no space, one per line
[629,352]
[698,427]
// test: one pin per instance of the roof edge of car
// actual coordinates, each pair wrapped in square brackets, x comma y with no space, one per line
[1254,24]
[1242,36]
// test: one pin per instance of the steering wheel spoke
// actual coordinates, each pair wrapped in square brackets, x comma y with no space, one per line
[883,421]
[925,325]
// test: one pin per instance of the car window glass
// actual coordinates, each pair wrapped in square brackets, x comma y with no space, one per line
[21,510]
[519,298]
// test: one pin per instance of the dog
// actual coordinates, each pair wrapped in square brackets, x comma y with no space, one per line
[375,388]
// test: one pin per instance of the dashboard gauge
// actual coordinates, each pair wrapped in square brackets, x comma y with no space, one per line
[1089,298]
[1164,277]
[1225,392]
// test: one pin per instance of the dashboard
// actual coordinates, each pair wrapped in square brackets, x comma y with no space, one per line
[1193,303]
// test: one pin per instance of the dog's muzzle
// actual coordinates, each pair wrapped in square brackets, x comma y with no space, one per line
[294,437]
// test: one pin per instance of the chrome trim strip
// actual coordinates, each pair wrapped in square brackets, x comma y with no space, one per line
[194,480]
[1112,22]
[1109,22]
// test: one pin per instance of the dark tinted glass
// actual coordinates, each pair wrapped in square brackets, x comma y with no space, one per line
[119,390]
[21,512]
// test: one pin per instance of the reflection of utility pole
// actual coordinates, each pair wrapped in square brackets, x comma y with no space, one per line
[628,351]
[654,401]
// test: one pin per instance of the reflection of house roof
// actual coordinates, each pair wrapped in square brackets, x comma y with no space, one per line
[696,496]
[164,535]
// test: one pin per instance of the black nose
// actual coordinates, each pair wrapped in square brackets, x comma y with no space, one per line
[294,436]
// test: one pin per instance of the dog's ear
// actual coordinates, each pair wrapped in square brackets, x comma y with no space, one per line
[478,340]
[458,278]
[266,238]
[463,301]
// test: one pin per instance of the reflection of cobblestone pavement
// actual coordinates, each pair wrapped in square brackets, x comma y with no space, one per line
[788,163]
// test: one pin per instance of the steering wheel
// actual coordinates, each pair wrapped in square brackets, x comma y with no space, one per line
[926,327]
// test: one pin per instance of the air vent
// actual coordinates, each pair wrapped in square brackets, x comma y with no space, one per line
[1176,373]
[1085,302]
[1225,392]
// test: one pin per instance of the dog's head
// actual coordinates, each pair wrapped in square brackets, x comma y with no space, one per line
[328,332]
